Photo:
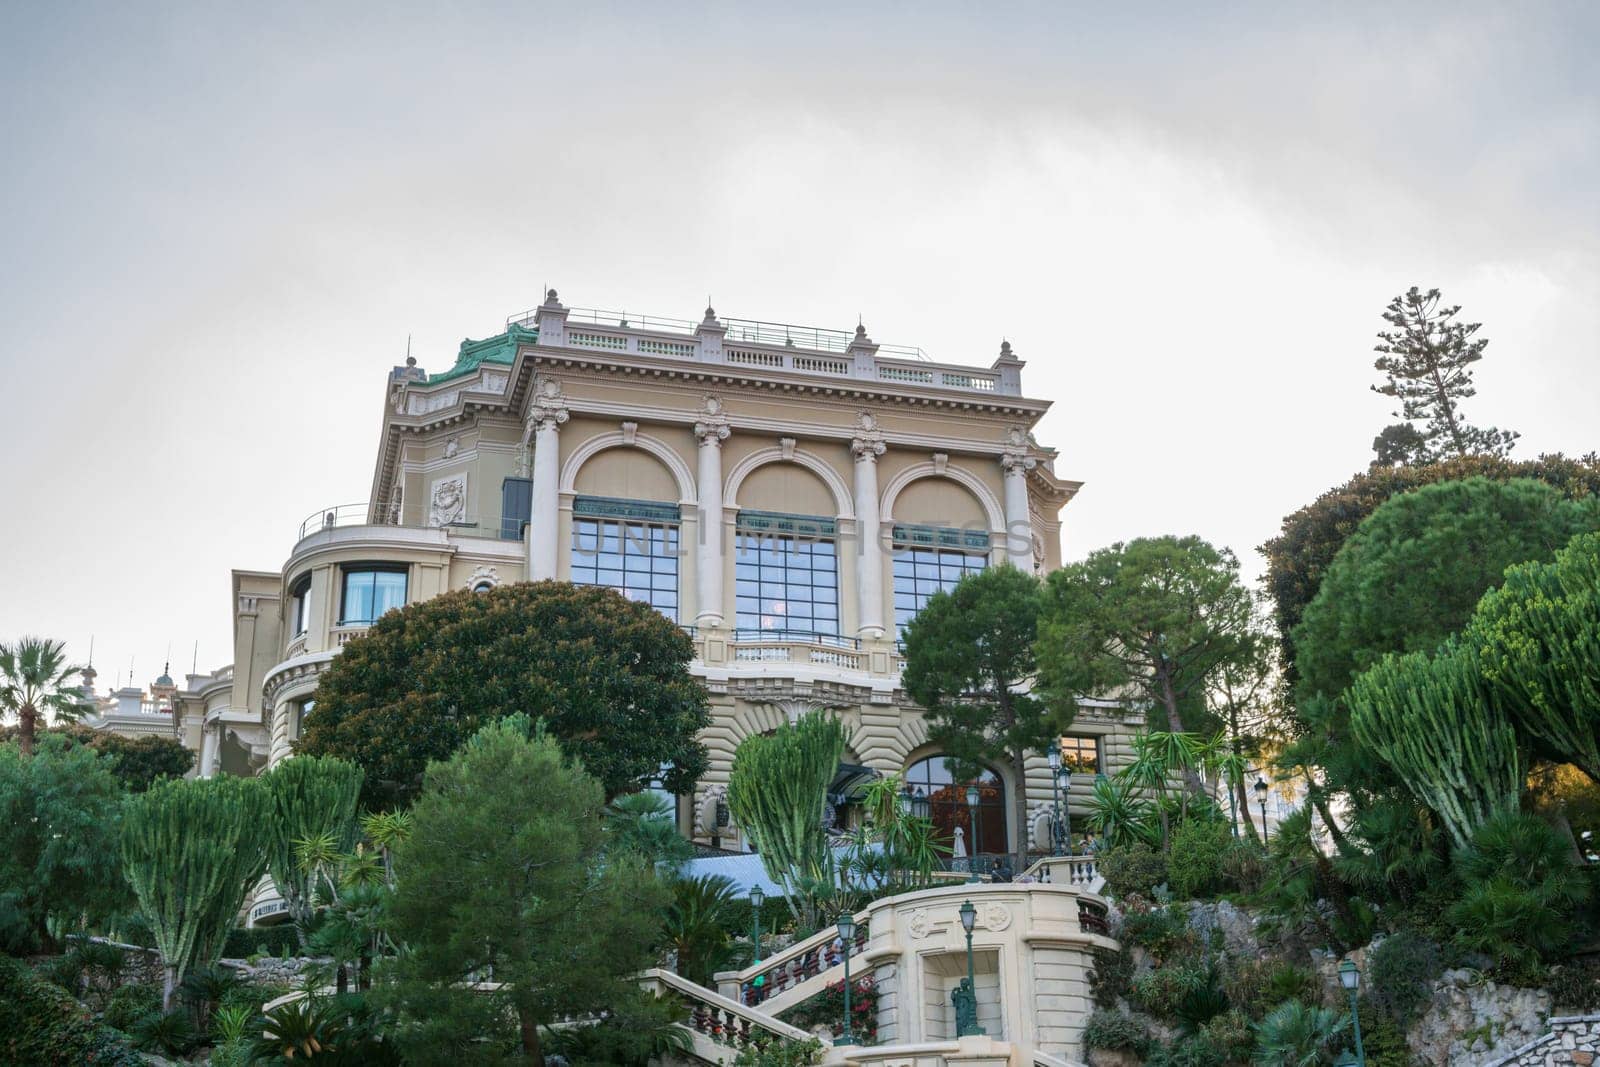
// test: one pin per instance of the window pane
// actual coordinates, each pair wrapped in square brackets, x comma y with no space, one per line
[637,559]
[786,582]
[919,573]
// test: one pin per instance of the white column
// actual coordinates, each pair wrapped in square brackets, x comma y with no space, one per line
[544,522]
[709,559]
[1019,523]
[208,745]
[869,551]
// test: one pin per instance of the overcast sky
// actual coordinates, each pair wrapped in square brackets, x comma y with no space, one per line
[219,230]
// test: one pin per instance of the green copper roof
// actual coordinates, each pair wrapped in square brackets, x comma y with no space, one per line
[501,349]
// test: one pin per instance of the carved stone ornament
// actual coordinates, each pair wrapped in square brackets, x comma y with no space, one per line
[995,916]
[482,576]
[451,447]
[917,923]
[786,446]
[705,810]
[712,425]
[449,501]
[867,444]
[1017,462]
[549,407]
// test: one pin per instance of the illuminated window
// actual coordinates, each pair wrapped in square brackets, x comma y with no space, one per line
[946,795]
[630,546]
[1081,755]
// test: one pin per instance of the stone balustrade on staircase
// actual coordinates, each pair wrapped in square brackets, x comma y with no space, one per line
[796,973]
[721,1027]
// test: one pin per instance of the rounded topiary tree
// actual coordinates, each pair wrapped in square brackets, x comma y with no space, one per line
[608,676]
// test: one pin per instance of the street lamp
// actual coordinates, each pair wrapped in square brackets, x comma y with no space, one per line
[1350,978]
[906,799]
[920,804]
[1054,758]
[757,898]
[1261,798]
[972,824]
[965,996]
[847,936]
[1066,806]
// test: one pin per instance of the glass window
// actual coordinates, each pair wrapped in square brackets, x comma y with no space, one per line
[787,579]
[371,591]
[638,559]
[921,571]
[300,606]
[1081,755]
[933,779]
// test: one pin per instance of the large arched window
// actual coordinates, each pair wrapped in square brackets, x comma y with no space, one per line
[630,546]
[946,797]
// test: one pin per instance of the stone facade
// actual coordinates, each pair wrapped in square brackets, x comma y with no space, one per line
[1573,1039]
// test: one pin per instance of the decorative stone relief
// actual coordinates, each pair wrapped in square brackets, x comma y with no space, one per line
[917,923]
[995,916]
[867,444]
[548,408]
[712,425]
[449,501]
[451,447]
[482,576]
[705,810]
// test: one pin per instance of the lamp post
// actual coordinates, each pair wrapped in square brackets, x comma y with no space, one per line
[1350,978]
[965,996]
[1054,759]
[847,936]
[921,806]
[972,824]
[1066,804]
[757,898]
[906,800]
[1261,798]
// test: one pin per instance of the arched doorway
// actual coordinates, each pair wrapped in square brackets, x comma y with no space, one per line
[934,780]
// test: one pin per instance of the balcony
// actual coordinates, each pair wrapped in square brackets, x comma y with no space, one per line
[792,646]
[344,516]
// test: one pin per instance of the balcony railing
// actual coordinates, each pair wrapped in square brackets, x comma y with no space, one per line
[797,646]
[343,515]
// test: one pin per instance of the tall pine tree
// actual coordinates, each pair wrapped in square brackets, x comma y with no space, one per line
[1427,363]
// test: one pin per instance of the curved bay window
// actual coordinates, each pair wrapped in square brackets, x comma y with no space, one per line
[946,797]
[630,546]
[300,606]
[786,575]
[932,559]
[369,591]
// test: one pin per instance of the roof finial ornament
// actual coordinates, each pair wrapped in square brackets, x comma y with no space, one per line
[550,298]
[1005,347]
[711,312]
[411,361]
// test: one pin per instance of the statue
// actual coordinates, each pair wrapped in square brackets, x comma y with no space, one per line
[965,1000]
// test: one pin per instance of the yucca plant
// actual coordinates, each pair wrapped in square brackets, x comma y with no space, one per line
[1117,814]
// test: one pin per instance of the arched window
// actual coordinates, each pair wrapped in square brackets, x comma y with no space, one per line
[630,546]
[946,796]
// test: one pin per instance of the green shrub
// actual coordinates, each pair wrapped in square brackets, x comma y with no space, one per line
[1295,1034]
[1163,991]
[1195,1051]
[1523,892]
[1116,1032]
[1132,870]
[1574,987]
[1403,968]
[781,1053]
[1160,929]
[1112,976]
[42,1026]
[170,1034]
[1195,867]
[1382,1038]
[1255,987]
[244,942]
[128,1004]
[1244,865]
[1231,1034]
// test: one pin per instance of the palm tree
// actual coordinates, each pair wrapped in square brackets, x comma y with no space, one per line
[34,678]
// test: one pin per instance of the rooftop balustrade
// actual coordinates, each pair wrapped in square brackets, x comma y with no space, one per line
[340,516]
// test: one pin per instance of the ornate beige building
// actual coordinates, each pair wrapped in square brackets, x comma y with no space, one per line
[790,496]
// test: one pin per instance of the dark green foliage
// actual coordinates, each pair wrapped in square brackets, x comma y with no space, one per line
[128,1004]
[136,762]
[1383,1039]
[609,677]
[643,825]
[1163,991]
[1310,538]
[1203,1003]
[170,1033]
[696,926]
[59,814]
[1161,929]
[1537,642]
[1116,1032]
[1195,1051]
[638,1030]
[1132,870]
[1402,969]
[1523,893]
[1244,866]
[1411,574]
[1231,1034]
[563,925]
[781,1053]
[1257,986]
[969,657]
[1112,975]
[42,1026]
[246,941]
[1195,866]
[1299,1035]
[311,797]
[1155,616]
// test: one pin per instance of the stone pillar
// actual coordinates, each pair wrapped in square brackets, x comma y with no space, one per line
[545,417]
[867,446]
[710,432]
[1019,523]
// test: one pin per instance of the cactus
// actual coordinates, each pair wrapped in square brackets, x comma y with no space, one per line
[192,850]
[777,792]
[1538,639]
[1431,719]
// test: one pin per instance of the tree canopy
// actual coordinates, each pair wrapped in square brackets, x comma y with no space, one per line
[505,871]
[608,676]
[970,662]
[35,679]
[1155,618]
[138,762]
[1299,556]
